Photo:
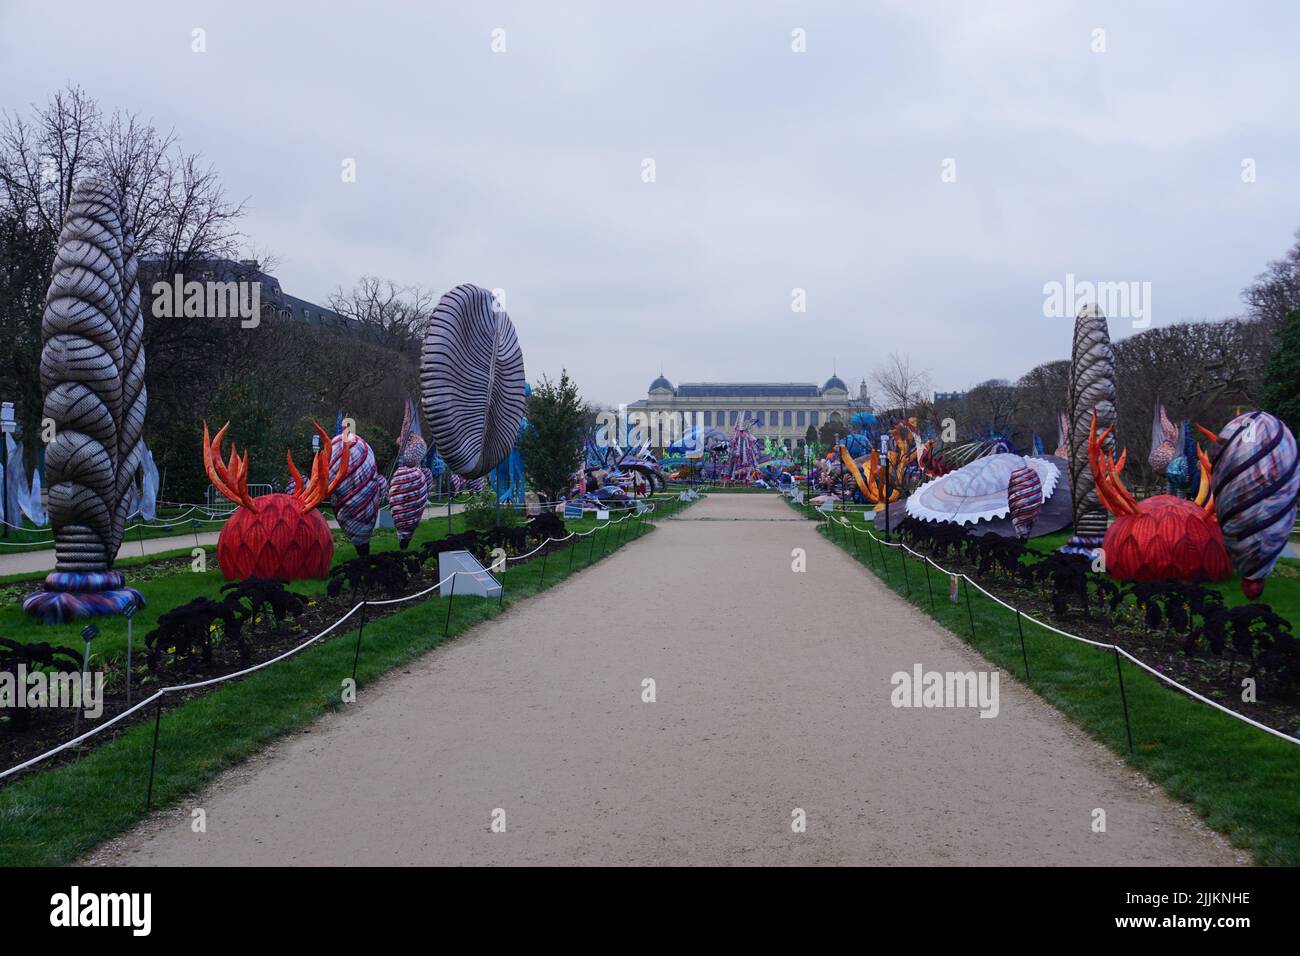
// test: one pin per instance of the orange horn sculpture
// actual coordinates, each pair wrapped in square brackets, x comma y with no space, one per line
[1160,538]
[273,536]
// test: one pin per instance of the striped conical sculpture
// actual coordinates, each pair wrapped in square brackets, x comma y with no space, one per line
[1024,499]
[92,371]
[357,497]
[408,492]
[1091,390]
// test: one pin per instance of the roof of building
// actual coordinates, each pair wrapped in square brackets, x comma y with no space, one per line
[835,382]
[747,390]
[661,382]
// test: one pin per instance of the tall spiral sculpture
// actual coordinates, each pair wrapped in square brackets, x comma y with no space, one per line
[92,371]
[1091,389]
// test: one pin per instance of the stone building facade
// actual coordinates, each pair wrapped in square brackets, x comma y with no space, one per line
[779,410]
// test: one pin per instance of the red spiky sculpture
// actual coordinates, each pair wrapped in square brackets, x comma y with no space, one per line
[1160,538]
[274,536]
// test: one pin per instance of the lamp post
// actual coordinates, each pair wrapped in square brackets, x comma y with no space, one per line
[8,425]
[884,451]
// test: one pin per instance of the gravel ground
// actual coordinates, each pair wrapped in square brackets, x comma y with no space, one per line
[772,695]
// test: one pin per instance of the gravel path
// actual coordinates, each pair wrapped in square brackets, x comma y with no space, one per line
[773,693]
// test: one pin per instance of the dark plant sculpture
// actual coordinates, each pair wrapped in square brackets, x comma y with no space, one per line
[33,657]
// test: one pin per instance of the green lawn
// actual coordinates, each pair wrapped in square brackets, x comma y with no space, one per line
[53,816]
[1242,781]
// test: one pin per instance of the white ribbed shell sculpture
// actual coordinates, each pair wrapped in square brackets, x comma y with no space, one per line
[1091,388]
[978,491]
[471,381]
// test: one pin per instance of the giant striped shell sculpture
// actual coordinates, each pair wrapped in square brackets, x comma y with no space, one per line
[1091,391]
[92,371]
[274,536]
[1024,499]
[408,492]
[1255,480]
[357,496]
[979,491]
[1159,538]
[471,381]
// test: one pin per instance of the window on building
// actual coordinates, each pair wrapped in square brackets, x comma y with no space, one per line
[708,418]
[734,416]
[758,419]
[802,419]
[815,418]
[787,419]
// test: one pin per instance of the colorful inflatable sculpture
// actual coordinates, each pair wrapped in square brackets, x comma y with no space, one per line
[92,367]
[357,495]
[1024,499]
[1091,391]
[508,476]
[472,381]
[408,492]
[1160,538]
[1166,437]
[274,536]
[1255,480]
[883,482]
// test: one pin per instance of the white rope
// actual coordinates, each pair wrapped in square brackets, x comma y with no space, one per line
[1075,637]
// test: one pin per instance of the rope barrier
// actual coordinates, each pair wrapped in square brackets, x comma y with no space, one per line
[1074,637]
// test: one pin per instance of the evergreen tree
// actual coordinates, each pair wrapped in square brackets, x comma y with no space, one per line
[551,446]
[1282,375]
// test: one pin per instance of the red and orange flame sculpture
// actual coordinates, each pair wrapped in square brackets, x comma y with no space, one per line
[1160,538]
[274,536]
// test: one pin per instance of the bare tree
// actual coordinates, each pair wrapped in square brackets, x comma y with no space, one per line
[177,211]
[992,406]
[901,384]
[390,314]
[1276,291]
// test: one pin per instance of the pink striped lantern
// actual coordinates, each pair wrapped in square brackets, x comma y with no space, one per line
[1025,499]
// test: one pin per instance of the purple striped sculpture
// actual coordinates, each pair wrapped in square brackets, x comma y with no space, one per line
[408,492]
[472,380]
[1255,477]
[1024,499]
[356,500]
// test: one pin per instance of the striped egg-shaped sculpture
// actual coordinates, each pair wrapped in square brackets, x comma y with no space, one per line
[408,492]
[1255,476]
[356,500]
[471,380]
[1025,499]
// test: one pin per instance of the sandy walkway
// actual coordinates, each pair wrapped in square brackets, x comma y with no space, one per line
[773,693]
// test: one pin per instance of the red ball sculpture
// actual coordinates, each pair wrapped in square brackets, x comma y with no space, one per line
[1166,538]
[274,536]
[1161,538]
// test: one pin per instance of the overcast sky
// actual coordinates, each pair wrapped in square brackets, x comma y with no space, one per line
[774,170]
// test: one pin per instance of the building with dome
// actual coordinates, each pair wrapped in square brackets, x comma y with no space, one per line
[778,410]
